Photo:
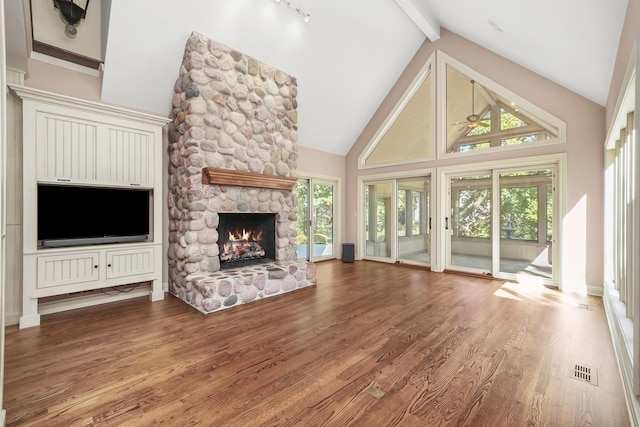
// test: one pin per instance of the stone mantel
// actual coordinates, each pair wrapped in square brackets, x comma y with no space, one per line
[218,176]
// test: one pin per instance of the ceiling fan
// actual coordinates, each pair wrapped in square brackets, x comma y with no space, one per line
[473,119]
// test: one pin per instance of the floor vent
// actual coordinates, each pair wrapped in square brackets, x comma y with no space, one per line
[583,306]
[584,373]
[375,392]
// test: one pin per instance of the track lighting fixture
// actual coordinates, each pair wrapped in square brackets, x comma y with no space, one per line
[296,9]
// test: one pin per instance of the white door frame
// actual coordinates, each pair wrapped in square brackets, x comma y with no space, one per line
[392,178]
[337,238]
[559,161]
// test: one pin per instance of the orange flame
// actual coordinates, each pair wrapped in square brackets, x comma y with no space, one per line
[245,235]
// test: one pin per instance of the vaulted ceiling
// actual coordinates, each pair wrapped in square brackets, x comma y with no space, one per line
[346,58]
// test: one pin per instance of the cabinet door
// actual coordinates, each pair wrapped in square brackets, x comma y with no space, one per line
[66,149]
[79,151]
[129,262]
[67,269]
[128,157]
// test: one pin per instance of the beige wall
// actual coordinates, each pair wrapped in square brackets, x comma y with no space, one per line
[316,162]
[630,33]
[585,135]
[63,81]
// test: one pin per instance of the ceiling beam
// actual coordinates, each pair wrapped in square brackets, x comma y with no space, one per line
[419,12]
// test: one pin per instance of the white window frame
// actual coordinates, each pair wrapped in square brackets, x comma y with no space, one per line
[560,208]
[621,293]
[426,70]
[394,176]
[442,60]
[337,208]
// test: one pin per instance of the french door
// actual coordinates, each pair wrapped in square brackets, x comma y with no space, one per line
[414,219]
[316,233]
[397,220]
[500,222]
[494,220]
[379,217]
[468,223]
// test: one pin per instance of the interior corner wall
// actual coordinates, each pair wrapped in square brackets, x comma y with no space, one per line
[585,133]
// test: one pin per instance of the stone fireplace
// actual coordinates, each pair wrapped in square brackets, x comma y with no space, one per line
[232,151]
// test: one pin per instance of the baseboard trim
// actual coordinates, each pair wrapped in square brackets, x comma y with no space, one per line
[595,291]
[623,355]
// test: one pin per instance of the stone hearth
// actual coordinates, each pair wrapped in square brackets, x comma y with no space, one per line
[232,149]
[229,288]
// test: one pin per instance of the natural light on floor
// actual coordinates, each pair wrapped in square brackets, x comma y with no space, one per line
[539,293]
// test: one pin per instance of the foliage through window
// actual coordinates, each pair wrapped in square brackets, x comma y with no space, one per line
[526,205]
[471,215]
[478,118]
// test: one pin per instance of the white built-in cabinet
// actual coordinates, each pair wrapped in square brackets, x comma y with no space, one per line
[83,151]
[68,141]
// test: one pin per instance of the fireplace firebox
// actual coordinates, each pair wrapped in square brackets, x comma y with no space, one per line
[246,239]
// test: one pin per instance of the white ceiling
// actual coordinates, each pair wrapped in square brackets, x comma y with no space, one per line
[350,53]
[572,42]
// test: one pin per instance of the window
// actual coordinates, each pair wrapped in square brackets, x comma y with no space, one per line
[471,205]
[480,115]
[316,233]
[525,205]
[408,135]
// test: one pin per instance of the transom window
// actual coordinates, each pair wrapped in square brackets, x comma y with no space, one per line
[479,118]
[408,134]
[450,109]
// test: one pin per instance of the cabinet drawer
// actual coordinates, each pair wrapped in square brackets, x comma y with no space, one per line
[128,262]
[67,269]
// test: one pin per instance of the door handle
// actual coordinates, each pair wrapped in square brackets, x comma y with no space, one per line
[446,223]
[429,223]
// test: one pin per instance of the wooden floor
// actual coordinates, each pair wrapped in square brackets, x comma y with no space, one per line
[371,345]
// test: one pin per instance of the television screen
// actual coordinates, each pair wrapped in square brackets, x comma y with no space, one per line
[70,215]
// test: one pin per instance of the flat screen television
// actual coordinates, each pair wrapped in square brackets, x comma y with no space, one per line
[76,216]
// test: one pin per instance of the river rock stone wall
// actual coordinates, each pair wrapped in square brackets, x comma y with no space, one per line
[229,111]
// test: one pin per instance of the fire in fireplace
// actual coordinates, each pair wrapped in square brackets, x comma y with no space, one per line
[246,238]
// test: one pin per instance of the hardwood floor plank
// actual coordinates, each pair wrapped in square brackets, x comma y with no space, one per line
[371,344]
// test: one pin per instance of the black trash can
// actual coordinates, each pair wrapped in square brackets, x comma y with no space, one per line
[348,252]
